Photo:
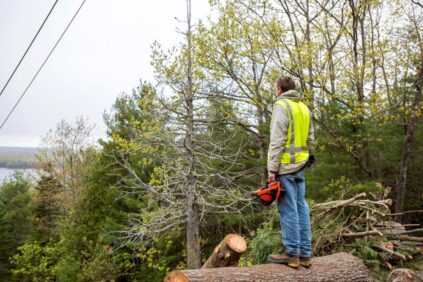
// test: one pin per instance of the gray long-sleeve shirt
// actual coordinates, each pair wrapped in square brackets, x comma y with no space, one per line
[278,136]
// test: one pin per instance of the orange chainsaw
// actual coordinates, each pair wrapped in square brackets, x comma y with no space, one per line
[269,192]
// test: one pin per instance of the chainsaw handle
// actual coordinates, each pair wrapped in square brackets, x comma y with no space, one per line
[277,179]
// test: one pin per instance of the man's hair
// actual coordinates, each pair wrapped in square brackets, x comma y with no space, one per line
[285,83]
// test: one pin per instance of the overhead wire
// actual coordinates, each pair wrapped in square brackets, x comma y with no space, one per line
[45,61]
[29,47]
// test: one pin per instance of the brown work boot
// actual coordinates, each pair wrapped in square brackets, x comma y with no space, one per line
[305,261]
[285,258]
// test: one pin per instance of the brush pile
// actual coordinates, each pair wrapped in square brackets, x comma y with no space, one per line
[366,227]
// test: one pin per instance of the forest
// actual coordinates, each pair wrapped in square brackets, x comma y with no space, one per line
[183,152]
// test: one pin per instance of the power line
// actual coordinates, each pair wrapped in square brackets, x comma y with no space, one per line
[29,47]
[45,61]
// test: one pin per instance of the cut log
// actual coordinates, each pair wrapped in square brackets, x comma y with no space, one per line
[227,253]
[404,275]
[336,267]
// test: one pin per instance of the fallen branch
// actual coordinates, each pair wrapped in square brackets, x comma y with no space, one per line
[378,232]
[337,204]
[407,238]
[389,251]
[361,234]
[405,212]
[381,226]
[410,231]
[410,243]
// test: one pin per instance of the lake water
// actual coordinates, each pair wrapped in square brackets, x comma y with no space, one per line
[5,172]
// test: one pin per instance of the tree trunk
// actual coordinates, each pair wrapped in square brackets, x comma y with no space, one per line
[261,142]
[227,253]
[336,267]
[193,214]
[309,56]
[193,233]
[402,177]
[358,13]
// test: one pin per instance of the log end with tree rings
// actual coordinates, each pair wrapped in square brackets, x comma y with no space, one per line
[175,276]
[227,253]
[236,243]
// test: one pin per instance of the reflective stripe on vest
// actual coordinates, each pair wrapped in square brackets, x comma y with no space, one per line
[296,149]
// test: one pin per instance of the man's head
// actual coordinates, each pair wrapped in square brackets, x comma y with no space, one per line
[283,84]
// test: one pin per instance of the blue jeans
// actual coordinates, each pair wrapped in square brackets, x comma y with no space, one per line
[294,215]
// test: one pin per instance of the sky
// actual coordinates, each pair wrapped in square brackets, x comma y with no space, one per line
[105,52]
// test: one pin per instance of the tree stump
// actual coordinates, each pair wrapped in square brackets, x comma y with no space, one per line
[227,253]
[336,267]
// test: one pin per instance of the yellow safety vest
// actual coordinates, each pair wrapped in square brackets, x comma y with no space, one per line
[296,149]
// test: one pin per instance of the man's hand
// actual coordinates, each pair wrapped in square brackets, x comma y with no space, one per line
[271,177]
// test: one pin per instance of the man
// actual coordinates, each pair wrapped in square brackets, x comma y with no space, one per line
[291,136]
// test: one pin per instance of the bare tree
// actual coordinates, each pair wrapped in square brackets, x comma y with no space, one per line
[182,139]
[64,159]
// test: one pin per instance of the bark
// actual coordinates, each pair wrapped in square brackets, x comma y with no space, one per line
[336,267]
[193,233]
[227,253]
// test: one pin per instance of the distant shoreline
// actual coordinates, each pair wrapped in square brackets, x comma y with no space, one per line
[17,166]
[18,157]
